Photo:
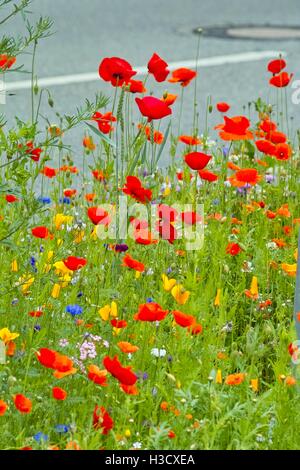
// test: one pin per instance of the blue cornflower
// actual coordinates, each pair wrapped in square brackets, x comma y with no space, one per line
[40,436]
[44,200]
[33,263]
[74,309]
[62,428]
[65,200]
[80,294]
[37,327]
[149,300]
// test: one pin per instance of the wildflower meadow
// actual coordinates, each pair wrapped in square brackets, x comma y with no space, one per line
[148,284]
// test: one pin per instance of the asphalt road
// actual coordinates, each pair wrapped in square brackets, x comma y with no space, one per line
[87,31]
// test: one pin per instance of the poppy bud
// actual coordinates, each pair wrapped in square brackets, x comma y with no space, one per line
[210,108]
[50,101]
[35,88]
[11,381]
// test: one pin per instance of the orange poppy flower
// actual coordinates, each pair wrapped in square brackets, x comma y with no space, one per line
[169,98]
[127,348]
[3,407]
[183,76]
[88,143]
[189,140]
[235,379]
[97,376]
[90,197]
[232,166]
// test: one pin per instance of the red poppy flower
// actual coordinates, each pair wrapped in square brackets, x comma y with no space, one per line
[169,98]
[136,86]
[283,152]
[129,389]
[277,137]
[281,80]
[265,146]
[97,215]
[144,237]
[3,407]
[73,263]
[248,175]
[104,121]
[70,192]
[223,107]
[180,175]
[153,108]
[99,175]
[116,71]
[270,214]
[123,374]
[166,213]
[275,66]
[36,313]
[195,329]
[235,128]
[6,61]
[97,376]
[208,175]
[167,231]
[22,403]
[233,249]
[150,312]
[102,420]
[118,323]
[49,172]
[34,153]
[158,68]
[59,393]
[11,198]
[133,187]
[54,360]
[131,263]
[190,218]
[189,140]
[183,76]
[182,319]
[268,126]
[40,232]
[197,160]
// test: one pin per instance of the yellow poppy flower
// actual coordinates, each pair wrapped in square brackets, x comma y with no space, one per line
[7,335]
[180,295]
[109,311]
[217,299]
[61,268]
[167,283]
[62,219]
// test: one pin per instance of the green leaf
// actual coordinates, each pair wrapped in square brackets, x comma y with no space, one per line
[102,136]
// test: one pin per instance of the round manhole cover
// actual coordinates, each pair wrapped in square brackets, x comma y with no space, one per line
[254,32]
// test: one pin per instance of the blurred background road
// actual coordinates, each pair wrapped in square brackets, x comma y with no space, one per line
[87,31]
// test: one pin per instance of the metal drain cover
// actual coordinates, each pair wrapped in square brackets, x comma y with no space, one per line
[253,32]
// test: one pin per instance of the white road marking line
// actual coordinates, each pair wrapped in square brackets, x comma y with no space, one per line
[142,70]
